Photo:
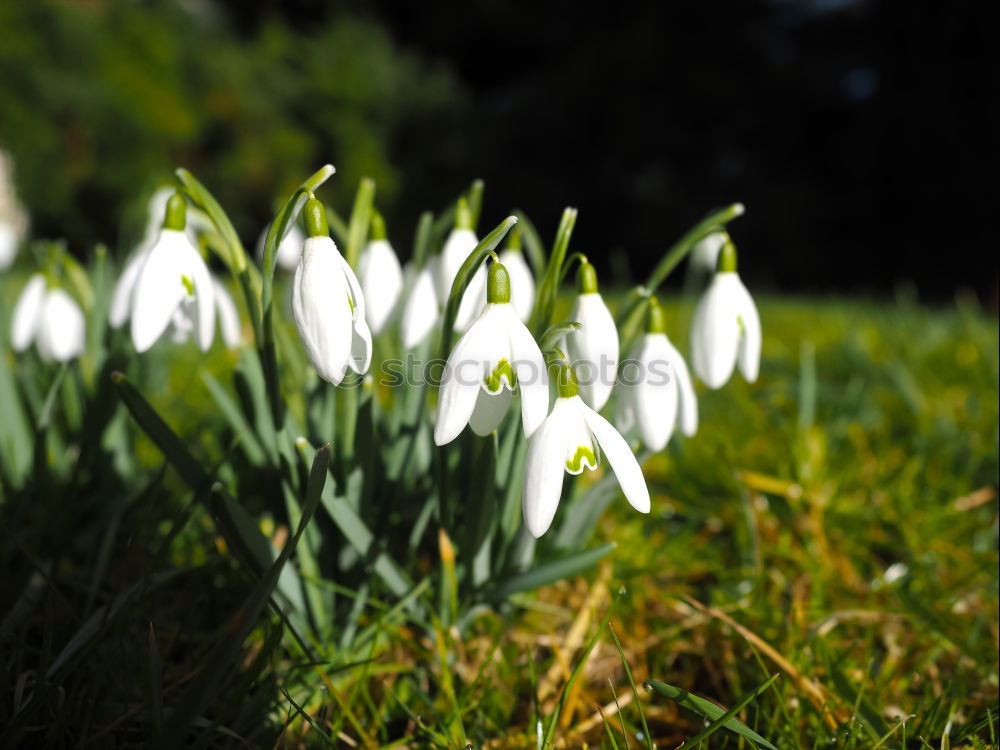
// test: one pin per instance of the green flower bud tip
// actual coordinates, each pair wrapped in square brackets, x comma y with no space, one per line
[498,285]
[567,384]
[378,226]
[463,215]
[727,258]
[176,215]
[315,213]
[586,278]
[657,320]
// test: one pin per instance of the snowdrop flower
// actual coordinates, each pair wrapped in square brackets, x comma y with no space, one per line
[8,244]
[522,282]
[705,253]
[594,346]
[173,285]
[664,391]
[420,311]
[381,277]
[328,304]
[496,355]
[572,437]
[457,248]
[51,319]
[289,249]
[726,327]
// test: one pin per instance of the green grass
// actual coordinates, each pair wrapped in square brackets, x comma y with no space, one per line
[835,523]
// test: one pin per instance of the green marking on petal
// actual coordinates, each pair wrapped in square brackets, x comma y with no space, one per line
[583,454]
[742,325]
[351,303]
[188,285]
[494,381]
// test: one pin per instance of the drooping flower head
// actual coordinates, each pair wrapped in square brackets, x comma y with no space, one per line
[662,391]
[574,437]
[705,253]
[380,275]
[46,315]
[328,304]
[173,283]
[593,348]
[494,358]
[725,330]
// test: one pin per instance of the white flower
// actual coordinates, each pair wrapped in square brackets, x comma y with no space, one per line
[593,348]
[726,327]
[328,304]
[457,248]
[572,437]
[705,253]
[289,249]
[522,282]
[496,355]
[8,244]
[173,281]
[420,311]
[121,297]
[381,277]
[50,318]
[664,391]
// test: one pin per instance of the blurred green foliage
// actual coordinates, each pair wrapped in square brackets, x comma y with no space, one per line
[101,100]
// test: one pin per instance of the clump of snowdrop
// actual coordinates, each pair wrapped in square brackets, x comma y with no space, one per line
[328,304]
[725,330]
[495,357]
[381,277]
[173,287]
[593,348]
[663,393]
[573,437]
[48,317]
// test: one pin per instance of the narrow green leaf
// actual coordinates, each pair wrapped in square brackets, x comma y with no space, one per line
[475,197]
[361,217]
[720,717]
[533,245]
[550,572]
[205,201]
[631,684]
[231,411]
[545,295]
[679,250]
[422,239]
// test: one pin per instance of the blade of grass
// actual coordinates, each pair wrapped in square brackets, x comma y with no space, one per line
[631,683]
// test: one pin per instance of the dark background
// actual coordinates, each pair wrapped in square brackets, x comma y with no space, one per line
[859,134]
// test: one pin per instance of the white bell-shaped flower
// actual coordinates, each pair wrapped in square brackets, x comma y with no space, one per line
[8,244]
[328,304]
[172,281]
[493,358]
[726,327]
[705,253]
[522,281]
[420,311]
[593,348]
[457,248]
[51,319]
[289,249]
[573,437]
[655,389]
[381,277]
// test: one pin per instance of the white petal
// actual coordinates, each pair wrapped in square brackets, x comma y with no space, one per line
[421,310]
[381,279]
[27,313]
[593,349]
[544,467]
[490,410]
[715,331]
[61,332]
[8,244]
[705,253]
[361,346]
[749,349]
[457,248]
[473,300]
[160,287]
[121,297]
[321,307]
[357,295]
[532,376]
[579,450]
[621,458]
[626,417]
[464,376]
[229,316]
[203,312]
[522,283]
[656,393]
[687,401]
